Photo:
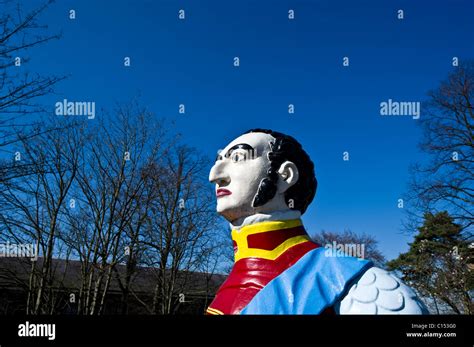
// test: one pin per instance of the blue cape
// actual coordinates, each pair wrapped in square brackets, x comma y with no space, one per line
[317,281]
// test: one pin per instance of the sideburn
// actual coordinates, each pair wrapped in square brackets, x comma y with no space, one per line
[265,192]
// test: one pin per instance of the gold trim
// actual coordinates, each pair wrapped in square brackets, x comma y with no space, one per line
[243,251]
[214,312]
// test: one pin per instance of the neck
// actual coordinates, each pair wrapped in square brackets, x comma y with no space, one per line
[265,217]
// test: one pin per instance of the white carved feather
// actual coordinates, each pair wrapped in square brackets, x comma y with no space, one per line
[380,292]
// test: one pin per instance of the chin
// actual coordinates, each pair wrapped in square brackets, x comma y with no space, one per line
[230,213]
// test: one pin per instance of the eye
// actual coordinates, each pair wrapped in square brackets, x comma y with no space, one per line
[237,156]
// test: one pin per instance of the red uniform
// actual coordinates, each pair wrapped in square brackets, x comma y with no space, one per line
[262,252]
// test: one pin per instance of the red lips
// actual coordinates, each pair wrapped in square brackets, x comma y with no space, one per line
[222,192]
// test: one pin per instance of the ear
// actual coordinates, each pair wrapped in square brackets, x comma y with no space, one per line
[288,176]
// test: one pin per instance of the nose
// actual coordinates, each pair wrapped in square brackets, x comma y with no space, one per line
[218,174]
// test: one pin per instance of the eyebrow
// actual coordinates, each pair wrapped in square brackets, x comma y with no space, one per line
[245,146]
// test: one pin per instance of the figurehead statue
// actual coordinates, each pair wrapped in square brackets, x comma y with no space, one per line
[264,183]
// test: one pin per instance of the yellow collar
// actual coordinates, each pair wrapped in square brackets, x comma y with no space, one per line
[245,249]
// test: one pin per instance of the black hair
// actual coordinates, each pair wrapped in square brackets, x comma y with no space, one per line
[285,148]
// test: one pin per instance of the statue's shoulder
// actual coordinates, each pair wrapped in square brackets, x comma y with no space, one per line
[380,292]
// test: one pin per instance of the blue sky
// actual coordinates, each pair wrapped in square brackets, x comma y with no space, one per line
[282,61]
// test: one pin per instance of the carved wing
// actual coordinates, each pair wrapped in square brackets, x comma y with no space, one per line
[380,292]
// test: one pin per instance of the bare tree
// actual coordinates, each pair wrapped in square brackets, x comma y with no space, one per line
[20,91]
[446,181]
[215,258]
[182,220]
[110,188]
[32,205]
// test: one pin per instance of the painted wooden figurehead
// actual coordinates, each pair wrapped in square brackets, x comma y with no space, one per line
[264,182]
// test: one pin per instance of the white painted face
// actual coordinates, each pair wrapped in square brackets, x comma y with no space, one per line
[238,171]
